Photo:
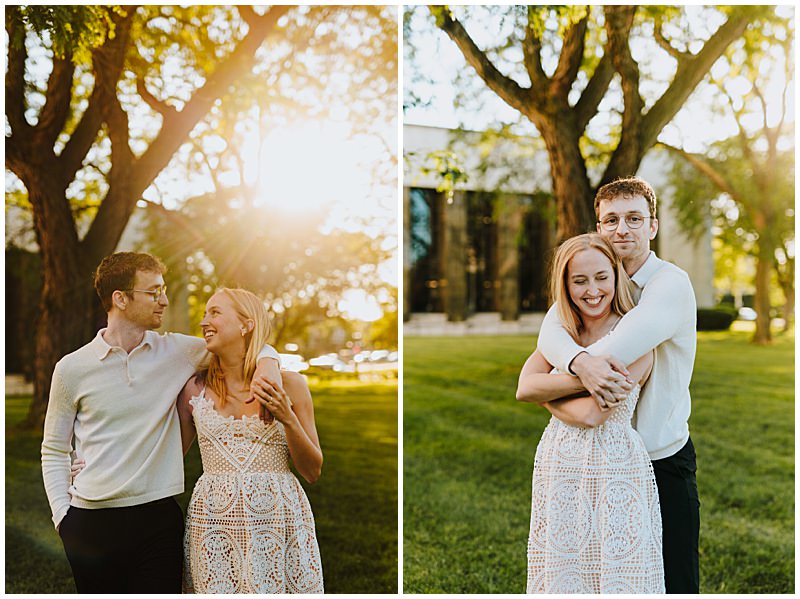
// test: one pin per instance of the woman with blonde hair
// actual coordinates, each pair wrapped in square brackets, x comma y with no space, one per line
[249,526]
[595,517]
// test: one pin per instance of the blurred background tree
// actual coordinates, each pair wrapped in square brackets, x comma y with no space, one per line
[109,106]
[561,67]
[746,183]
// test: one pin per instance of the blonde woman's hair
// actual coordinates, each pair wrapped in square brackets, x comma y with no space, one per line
[559,290]
[249,307]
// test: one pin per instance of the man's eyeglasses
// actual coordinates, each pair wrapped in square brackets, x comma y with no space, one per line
[156,293]
[634,221]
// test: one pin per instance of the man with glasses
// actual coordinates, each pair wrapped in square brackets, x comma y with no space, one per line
[665,320]
[114,400]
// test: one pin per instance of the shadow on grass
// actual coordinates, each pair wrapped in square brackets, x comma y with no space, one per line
[33,566]
[354,502]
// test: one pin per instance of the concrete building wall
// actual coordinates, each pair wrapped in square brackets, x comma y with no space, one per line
[695,256]
[518,169]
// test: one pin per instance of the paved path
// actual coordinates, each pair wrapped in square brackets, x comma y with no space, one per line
[16,385]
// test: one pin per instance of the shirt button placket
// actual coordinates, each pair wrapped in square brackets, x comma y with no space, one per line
[127,365]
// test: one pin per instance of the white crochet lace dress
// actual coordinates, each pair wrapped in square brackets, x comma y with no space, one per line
[595,516]
[249,526]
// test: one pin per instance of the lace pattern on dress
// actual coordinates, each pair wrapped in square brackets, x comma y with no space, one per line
[595,517]
[249,526]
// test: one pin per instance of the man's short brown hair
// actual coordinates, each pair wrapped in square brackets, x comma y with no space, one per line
[626,188]
[118,272]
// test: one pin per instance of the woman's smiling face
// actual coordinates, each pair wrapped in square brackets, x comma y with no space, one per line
[221,325]
[590,281]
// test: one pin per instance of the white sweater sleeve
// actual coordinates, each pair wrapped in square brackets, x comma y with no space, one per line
[56,447]
[667,302]
[194,348]
[555,343]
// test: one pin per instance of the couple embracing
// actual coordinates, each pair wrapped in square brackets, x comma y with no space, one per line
[129,404]
[614,495]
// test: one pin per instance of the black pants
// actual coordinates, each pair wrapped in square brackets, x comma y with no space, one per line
[680,515]
[137,549]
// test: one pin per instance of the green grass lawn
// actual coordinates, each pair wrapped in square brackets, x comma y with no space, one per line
[354,501]
[469,447]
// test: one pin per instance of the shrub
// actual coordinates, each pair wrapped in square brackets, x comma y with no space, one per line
[715,319]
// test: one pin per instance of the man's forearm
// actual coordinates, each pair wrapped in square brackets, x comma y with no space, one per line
[666,304]
[555,343]
[55,475]
[59,424]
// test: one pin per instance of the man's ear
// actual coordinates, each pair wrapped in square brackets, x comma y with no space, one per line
[119,299]
[653,228]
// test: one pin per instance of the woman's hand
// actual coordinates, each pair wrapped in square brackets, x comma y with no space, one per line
[273,399]
[75,468]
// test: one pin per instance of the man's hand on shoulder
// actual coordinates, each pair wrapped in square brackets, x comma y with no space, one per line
[604,377]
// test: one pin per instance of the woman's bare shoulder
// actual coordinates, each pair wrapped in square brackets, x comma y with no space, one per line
[296,386]
[192,388]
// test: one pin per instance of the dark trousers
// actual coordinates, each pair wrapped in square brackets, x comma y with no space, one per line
[137,549]
[680,515]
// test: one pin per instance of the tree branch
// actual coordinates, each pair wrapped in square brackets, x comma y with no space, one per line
[531,53]
[107,61]
[707,169]
[744,141]
[569,63]
[595,91]
[82,137]
[770,134]
[56,109]
[788,82]
[690,72]
[15,74]
[665,43]
[176,127]
[505,87]
[626,157]
[160,107]
[248,15]
[115,210]
[119,134]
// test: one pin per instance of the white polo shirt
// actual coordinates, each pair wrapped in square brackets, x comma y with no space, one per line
[119,409]
[664,319]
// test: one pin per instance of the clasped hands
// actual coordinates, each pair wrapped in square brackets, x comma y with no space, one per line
[273,399]
[605,377]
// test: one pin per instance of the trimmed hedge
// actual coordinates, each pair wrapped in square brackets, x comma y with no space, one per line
[715,319]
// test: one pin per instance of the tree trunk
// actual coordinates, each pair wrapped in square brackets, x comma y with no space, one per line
[785,274]
[571,187]
[766,255]
[66,310]
[59,331]
[788,307]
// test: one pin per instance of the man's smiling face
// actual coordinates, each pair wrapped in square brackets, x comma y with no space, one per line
[632,245]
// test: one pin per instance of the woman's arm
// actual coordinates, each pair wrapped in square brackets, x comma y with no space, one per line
[191,389]
[294,408]
[584,411]
[537,385]
[579,411]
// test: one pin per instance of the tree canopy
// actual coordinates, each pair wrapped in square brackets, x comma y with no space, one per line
[109,105]
[598,83]
[752,171]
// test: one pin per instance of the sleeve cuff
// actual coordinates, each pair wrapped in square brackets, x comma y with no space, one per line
[59,516]
[571,360]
